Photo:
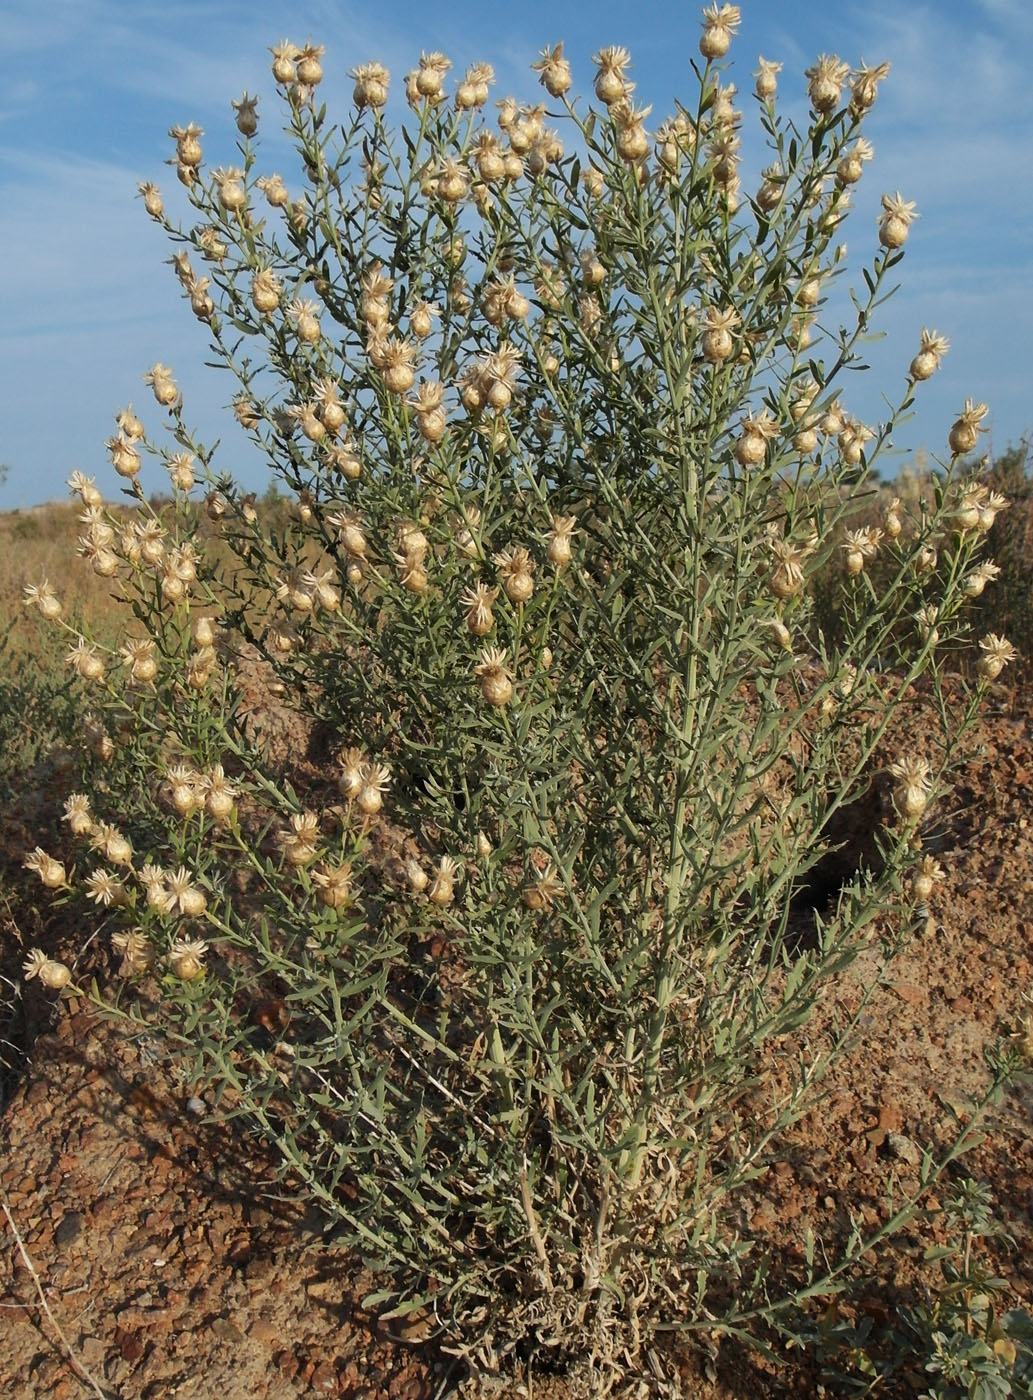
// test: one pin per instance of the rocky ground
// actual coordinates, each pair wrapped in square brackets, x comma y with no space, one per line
[151,1251]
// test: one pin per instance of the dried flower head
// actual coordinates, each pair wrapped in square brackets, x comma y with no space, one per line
[914,785]
[371,82]
[138,954]
[965,432]
[106,889]
[41,595]
[929,873]
[717,343]
[183,896]
[110,842]
[376,779]
[220,795]
[972,584]
[516,569]
[334,883]
[787,577]
[554,71]
[52,974]
[186,958]
[895,220]
[51,872]
[767,78]
[611,83]
[825,82]
[86,489]
[159,377]
[860,545]
[472,92]
[998,652]
[416,876]
[308,67]
[304,313]
[719,24]
[78,815]
[752,445]
[152,200]
[284,54]
[86,660]
[442,888]
[494,676]
[931,352]
[864,85]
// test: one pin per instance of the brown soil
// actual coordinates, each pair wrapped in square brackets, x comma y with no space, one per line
[175,1266]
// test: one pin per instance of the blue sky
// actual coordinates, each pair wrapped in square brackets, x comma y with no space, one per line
[92,86]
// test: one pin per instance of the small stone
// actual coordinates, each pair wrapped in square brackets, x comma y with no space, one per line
[69,1230]
[227,1330]
[903,1148]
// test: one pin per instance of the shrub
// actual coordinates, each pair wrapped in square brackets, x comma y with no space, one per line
[504,979]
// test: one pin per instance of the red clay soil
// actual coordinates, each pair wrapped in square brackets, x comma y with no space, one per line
[175,1267]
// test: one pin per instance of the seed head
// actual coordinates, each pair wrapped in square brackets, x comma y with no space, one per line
[334,883]
[516,569]
[965,433]
[309,68]
[137,953]
[86,661]
[124,456]
[495,679]
[560,539]
[895,220]
[860,545]
[864,85]
[41,595]
[376,779]
[86,489]
[787,578]
[767,78]
[159,377]
[371,82]
[998,652]
[416,876]
[110,842]
[52,974]
[717,343]
[50,871]
[851,164]
[183,896]
[611,84]
[914,784]
[266,289]
[220,795]
[542,893]
[472,92]
[77,814]
[554,71]
[973,584]
[826,79]
[931,352]
[152,200]
[442,889]
[188,147]
[929,872]
[757,431]
[719,24]
[284,55]
[106,889]
[186,958]
[304,313]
